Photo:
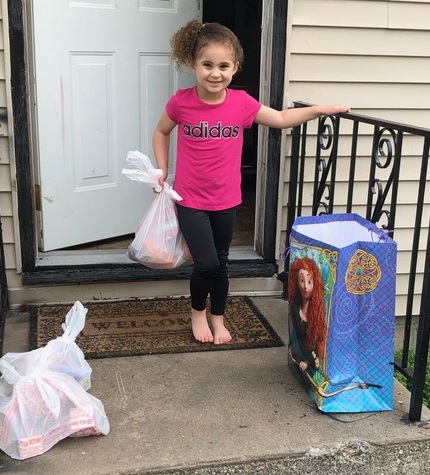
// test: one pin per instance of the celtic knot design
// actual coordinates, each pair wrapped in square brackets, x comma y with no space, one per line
[331,258]
[363,273]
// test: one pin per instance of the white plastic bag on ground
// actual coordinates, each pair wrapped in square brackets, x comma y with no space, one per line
[44,408]
[158,242]
[61,354]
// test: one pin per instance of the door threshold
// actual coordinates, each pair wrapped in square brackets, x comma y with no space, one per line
[80,267]
[117,257]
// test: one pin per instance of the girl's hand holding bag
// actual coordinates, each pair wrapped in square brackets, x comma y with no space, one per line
[158,242]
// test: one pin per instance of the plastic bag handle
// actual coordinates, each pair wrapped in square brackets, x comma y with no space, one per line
[74,321]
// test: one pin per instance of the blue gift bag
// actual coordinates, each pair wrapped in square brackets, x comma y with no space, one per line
[341,293]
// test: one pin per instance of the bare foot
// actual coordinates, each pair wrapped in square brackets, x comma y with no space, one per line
[220,332]
[199,324]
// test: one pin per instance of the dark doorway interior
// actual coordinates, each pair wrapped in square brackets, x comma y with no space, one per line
[244,18]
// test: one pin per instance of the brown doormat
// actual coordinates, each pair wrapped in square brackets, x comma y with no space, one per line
[141,327]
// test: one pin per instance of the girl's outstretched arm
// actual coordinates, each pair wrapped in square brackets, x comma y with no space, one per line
[287,118]
[161,144]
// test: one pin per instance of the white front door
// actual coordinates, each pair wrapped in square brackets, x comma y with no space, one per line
[102,78]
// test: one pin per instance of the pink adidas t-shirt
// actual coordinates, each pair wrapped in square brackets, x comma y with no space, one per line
[209,151]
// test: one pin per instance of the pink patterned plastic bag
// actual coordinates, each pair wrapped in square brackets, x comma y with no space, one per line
[61,354]
[44,408]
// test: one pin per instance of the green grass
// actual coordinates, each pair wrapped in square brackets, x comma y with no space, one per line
[402,379]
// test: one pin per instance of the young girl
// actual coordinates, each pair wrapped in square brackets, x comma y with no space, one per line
[211,120]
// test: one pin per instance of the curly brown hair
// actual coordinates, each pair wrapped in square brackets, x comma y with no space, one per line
[188,41]
[316,327]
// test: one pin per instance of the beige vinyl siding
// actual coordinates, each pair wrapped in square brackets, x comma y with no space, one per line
[375,56]
[7,196]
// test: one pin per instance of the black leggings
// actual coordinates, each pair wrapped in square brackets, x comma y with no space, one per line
[208,235]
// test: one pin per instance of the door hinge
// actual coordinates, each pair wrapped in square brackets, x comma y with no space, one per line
[37,197]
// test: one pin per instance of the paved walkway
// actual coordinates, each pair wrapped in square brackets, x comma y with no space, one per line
[225,412]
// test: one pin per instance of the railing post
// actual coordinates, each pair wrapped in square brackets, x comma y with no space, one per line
[414,253]
[292,193]
[422,346]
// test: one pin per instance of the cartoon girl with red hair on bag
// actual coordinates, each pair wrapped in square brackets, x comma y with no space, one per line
[308,329]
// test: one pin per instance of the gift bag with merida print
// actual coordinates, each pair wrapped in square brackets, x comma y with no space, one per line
[341,293]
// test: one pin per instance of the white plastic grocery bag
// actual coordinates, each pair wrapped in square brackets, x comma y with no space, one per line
[61,354]
[158,242]
[45,407]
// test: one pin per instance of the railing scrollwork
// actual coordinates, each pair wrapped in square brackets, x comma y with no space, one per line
[383,155]
[327,132]
[385,147]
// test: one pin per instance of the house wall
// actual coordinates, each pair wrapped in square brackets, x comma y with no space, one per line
[374,56]
[370,54]
[7,191]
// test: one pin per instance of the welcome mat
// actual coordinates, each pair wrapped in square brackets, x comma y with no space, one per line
[141,327]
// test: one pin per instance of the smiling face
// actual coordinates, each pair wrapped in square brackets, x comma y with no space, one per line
[214,68]
[306,284]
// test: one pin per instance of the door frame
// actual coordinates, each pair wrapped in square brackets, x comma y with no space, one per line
[34,273]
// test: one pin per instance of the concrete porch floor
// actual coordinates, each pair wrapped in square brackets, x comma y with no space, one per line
[225,412]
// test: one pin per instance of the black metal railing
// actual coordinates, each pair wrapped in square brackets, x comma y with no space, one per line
[356,163]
